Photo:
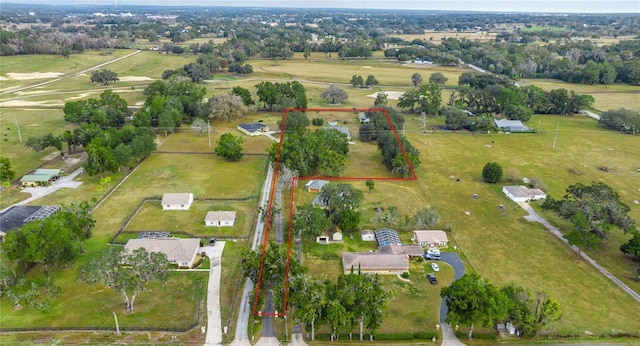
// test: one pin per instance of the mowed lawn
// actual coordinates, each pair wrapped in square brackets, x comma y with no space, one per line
[205,176]
[505,248]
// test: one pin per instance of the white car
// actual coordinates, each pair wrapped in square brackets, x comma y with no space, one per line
[435,267]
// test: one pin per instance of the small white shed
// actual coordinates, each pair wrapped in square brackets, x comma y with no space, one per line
[220,218]
[177,201]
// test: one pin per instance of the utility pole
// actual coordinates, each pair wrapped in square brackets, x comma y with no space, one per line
[209,132]
[117,326]
[18,127]
[556,136]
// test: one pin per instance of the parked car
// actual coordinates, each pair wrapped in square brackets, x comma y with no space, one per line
[435,266]
[432,256]
[432,279]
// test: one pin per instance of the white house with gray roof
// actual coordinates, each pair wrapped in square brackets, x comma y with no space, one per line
[220,218]
[181,251]
[520,193]
[177,201]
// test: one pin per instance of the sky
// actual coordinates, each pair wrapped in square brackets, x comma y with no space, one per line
[573,6]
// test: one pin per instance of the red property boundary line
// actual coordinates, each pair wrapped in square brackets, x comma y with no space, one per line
[294,179]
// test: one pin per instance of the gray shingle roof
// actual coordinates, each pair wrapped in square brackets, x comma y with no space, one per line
[176,249]
[372,261]
[176,198]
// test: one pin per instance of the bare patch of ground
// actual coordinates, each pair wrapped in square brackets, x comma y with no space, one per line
[83,95]
[33,75]
[367,67]
[3,78]
[20,103]
[135,79]
[391,95]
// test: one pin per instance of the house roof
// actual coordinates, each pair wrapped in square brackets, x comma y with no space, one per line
[177,198]
[411,250]
[374,260]
[17,215]
[366,231]
[220,215]
[36,178]
[176,249]
[430,236]
[317,202]
[342,129]
[523,191]
[385,236]
[253,127]
[511,125]
[316,184]
[50,171]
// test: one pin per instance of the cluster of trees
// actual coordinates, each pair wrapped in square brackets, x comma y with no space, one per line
[205,67]
[305,152]
[486,93]
[379,129]
[594,210]
[169,103]
[47,243]
[424,99]
[110,110]
[340,202]
[358,82]
[354,301]
[472,299]
[623,120]
[278,96]
[35,41]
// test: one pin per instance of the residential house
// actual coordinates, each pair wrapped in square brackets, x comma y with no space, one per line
[507,125]
[432,239]
[367,235]
[177,201]
[375,263]
[220,218]
[253,129]
[520,193]
[315,185]
[180,251]
[16,216]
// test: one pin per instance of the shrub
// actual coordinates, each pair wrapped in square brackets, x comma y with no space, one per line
[512,174]
[405,275]
[317,121]
[537,183]
[492,173]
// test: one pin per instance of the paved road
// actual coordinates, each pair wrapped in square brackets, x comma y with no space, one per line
[214,321]
[535,217]
[65,182]
[245,310]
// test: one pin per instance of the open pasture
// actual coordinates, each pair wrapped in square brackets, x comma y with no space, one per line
[505,248]
[436,37]
[31,123]
[24,70]
[606,97]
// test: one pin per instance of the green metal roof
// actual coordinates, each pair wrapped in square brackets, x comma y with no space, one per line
[36,178]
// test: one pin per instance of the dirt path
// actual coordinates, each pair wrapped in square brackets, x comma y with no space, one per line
[535,217]
[70,74]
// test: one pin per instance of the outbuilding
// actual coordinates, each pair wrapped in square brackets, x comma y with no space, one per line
[519,193]
[253,129]
[220,218]
[177,201]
